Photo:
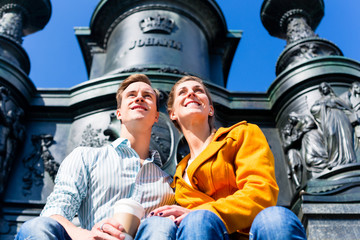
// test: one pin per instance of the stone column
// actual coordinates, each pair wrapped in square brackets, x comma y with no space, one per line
[18,18]
[164,40]
[312,102]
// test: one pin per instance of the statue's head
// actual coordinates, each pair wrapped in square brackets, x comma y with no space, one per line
[355,87]
[325,89]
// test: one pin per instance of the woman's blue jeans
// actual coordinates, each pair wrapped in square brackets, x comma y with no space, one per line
[272,223]
[277,223]
[197,225]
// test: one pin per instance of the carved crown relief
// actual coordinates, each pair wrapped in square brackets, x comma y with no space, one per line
[157,24]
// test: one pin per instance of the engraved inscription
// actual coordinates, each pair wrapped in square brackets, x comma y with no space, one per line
[161,42]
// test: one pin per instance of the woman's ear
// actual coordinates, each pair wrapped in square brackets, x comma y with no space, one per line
[211,112]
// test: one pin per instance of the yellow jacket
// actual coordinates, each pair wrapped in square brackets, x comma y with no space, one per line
[233,177]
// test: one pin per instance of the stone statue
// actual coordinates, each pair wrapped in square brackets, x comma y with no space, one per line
[290,140]
[303,146]
[12,132]
[330,112]
[38,162]
[5,124]
[352,99]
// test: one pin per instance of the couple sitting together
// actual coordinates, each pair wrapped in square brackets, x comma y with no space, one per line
[224,189]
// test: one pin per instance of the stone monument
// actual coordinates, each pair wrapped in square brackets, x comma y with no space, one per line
[316,112]
[309,114]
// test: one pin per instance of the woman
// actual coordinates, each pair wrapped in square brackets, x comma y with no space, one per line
[225,181]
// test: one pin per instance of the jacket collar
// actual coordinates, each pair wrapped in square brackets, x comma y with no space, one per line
[207,153]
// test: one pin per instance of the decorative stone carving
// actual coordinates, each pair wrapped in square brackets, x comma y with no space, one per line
[324,139]
[305,50]
[172,70]
[113,130]
[11,21]
[297,28]
[352,99]
[90,137]
[39,161]
[296,22]
[303,145]
[12,133]
[158,24]
[330,114]
[161,139]
[161,70]
[130,70]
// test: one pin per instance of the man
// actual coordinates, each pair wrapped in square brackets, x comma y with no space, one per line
[91,180]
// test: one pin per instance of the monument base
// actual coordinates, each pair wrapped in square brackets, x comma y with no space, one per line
[331,220]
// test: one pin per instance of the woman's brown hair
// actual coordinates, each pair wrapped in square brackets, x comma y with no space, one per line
[171,98]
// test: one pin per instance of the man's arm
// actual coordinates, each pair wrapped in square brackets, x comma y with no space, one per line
[111,229]
[69,191]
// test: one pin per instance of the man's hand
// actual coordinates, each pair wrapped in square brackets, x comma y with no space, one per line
[175,212]
[107,229]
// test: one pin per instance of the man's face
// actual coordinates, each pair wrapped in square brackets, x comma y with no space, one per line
[138,103]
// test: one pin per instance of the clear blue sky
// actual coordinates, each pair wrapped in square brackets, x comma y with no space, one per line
[56,60]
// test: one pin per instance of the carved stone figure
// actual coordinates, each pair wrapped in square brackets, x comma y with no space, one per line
[313,149]
[352,98]
[329,113]
[303,145]
[12,132]
[5,127]
[295,161]
[38,162]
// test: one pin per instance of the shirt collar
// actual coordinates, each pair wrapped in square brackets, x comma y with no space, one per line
[121,141]
[154,155]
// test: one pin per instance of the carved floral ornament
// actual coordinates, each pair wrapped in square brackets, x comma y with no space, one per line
[327,137]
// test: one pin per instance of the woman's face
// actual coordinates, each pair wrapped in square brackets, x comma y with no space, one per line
[190,100]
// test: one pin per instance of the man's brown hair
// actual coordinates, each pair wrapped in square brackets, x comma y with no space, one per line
[132,79]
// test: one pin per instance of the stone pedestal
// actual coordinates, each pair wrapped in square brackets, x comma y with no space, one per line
[331,220]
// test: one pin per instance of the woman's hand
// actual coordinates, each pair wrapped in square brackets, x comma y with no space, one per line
[174,212]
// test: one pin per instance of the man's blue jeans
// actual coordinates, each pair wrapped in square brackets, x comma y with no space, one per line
[272,223]
[41,228]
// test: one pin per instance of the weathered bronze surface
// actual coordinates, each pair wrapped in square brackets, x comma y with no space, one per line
[309,115]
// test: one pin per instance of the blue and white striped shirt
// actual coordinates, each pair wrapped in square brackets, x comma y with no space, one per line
[91,180]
